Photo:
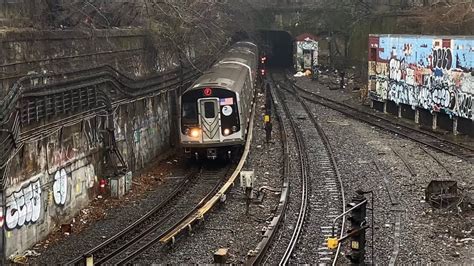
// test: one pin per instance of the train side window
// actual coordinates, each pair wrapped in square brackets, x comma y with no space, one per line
[209,110]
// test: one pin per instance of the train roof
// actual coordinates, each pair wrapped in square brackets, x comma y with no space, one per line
[230,71]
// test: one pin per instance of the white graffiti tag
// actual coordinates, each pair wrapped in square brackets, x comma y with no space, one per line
[23,206]
[465,104]
[403,93]
[60,187]
[395,70]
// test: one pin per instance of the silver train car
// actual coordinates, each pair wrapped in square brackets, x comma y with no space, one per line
[216,109]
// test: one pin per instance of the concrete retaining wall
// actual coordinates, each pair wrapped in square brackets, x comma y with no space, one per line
[52,179]
[27,51]
[53,176]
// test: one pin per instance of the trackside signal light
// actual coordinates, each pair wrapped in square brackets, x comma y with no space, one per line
[102,185]
[262,71]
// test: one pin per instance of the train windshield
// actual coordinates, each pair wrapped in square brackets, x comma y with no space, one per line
[189,115]
[209,110]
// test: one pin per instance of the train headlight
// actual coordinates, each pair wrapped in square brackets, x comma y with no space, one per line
[226,132]
[195,132]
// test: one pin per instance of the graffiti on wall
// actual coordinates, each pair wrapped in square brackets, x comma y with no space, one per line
[60,187]
[63,154]
[92,128]
[23,206]
[306,54]
[423,71]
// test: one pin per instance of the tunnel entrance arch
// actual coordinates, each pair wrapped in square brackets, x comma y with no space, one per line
[278,47]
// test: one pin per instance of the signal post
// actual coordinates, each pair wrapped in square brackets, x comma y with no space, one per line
[357,231]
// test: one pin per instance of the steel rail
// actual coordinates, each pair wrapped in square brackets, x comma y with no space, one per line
[330,151]
[148,243]
[304,185]
[438,161]
[404,161]
[179,188]
[256,256]
[441,144]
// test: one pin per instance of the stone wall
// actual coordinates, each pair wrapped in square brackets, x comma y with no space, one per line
[51,179]
[59,158]
[41,14]
[29,51]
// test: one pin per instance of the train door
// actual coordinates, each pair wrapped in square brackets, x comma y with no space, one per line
[209,119]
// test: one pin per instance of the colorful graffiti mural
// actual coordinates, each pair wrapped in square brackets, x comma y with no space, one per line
[429,72]
[306,54]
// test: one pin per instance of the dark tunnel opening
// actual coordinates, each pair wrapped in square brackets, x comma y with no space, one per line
[278,47]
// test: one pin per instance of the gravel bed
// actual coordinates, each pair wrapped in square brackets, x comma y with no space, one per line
[106,217]
[427,236]
[324,199]
[353,98]
[228,226]
[285,231]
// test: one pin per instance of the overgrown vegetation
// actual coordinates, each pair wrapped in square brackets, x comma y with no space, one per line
[183,26]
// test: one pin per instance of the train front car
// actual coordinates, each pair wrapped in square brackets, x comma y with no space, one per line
[215,110]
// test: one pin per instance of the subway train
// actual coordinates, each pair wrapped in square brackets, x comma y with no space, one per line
[216,108]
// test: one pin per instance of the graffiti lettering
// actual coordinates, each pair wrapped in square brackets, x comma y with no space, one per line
[403,93]
[60,187]
[442,58]
[23,206]
[413,72]
[63,155]
[465,105]
[395,70]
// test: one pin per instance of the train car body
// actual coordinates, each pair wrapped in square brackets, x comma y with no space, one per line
[216,109]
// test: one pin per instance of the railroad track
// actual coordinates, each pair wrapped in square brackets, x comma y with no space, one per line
[208,183]
[303,159]
[319,191]
[257,255]
[162,226]
[430,139]
[127,235]
[197,187]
